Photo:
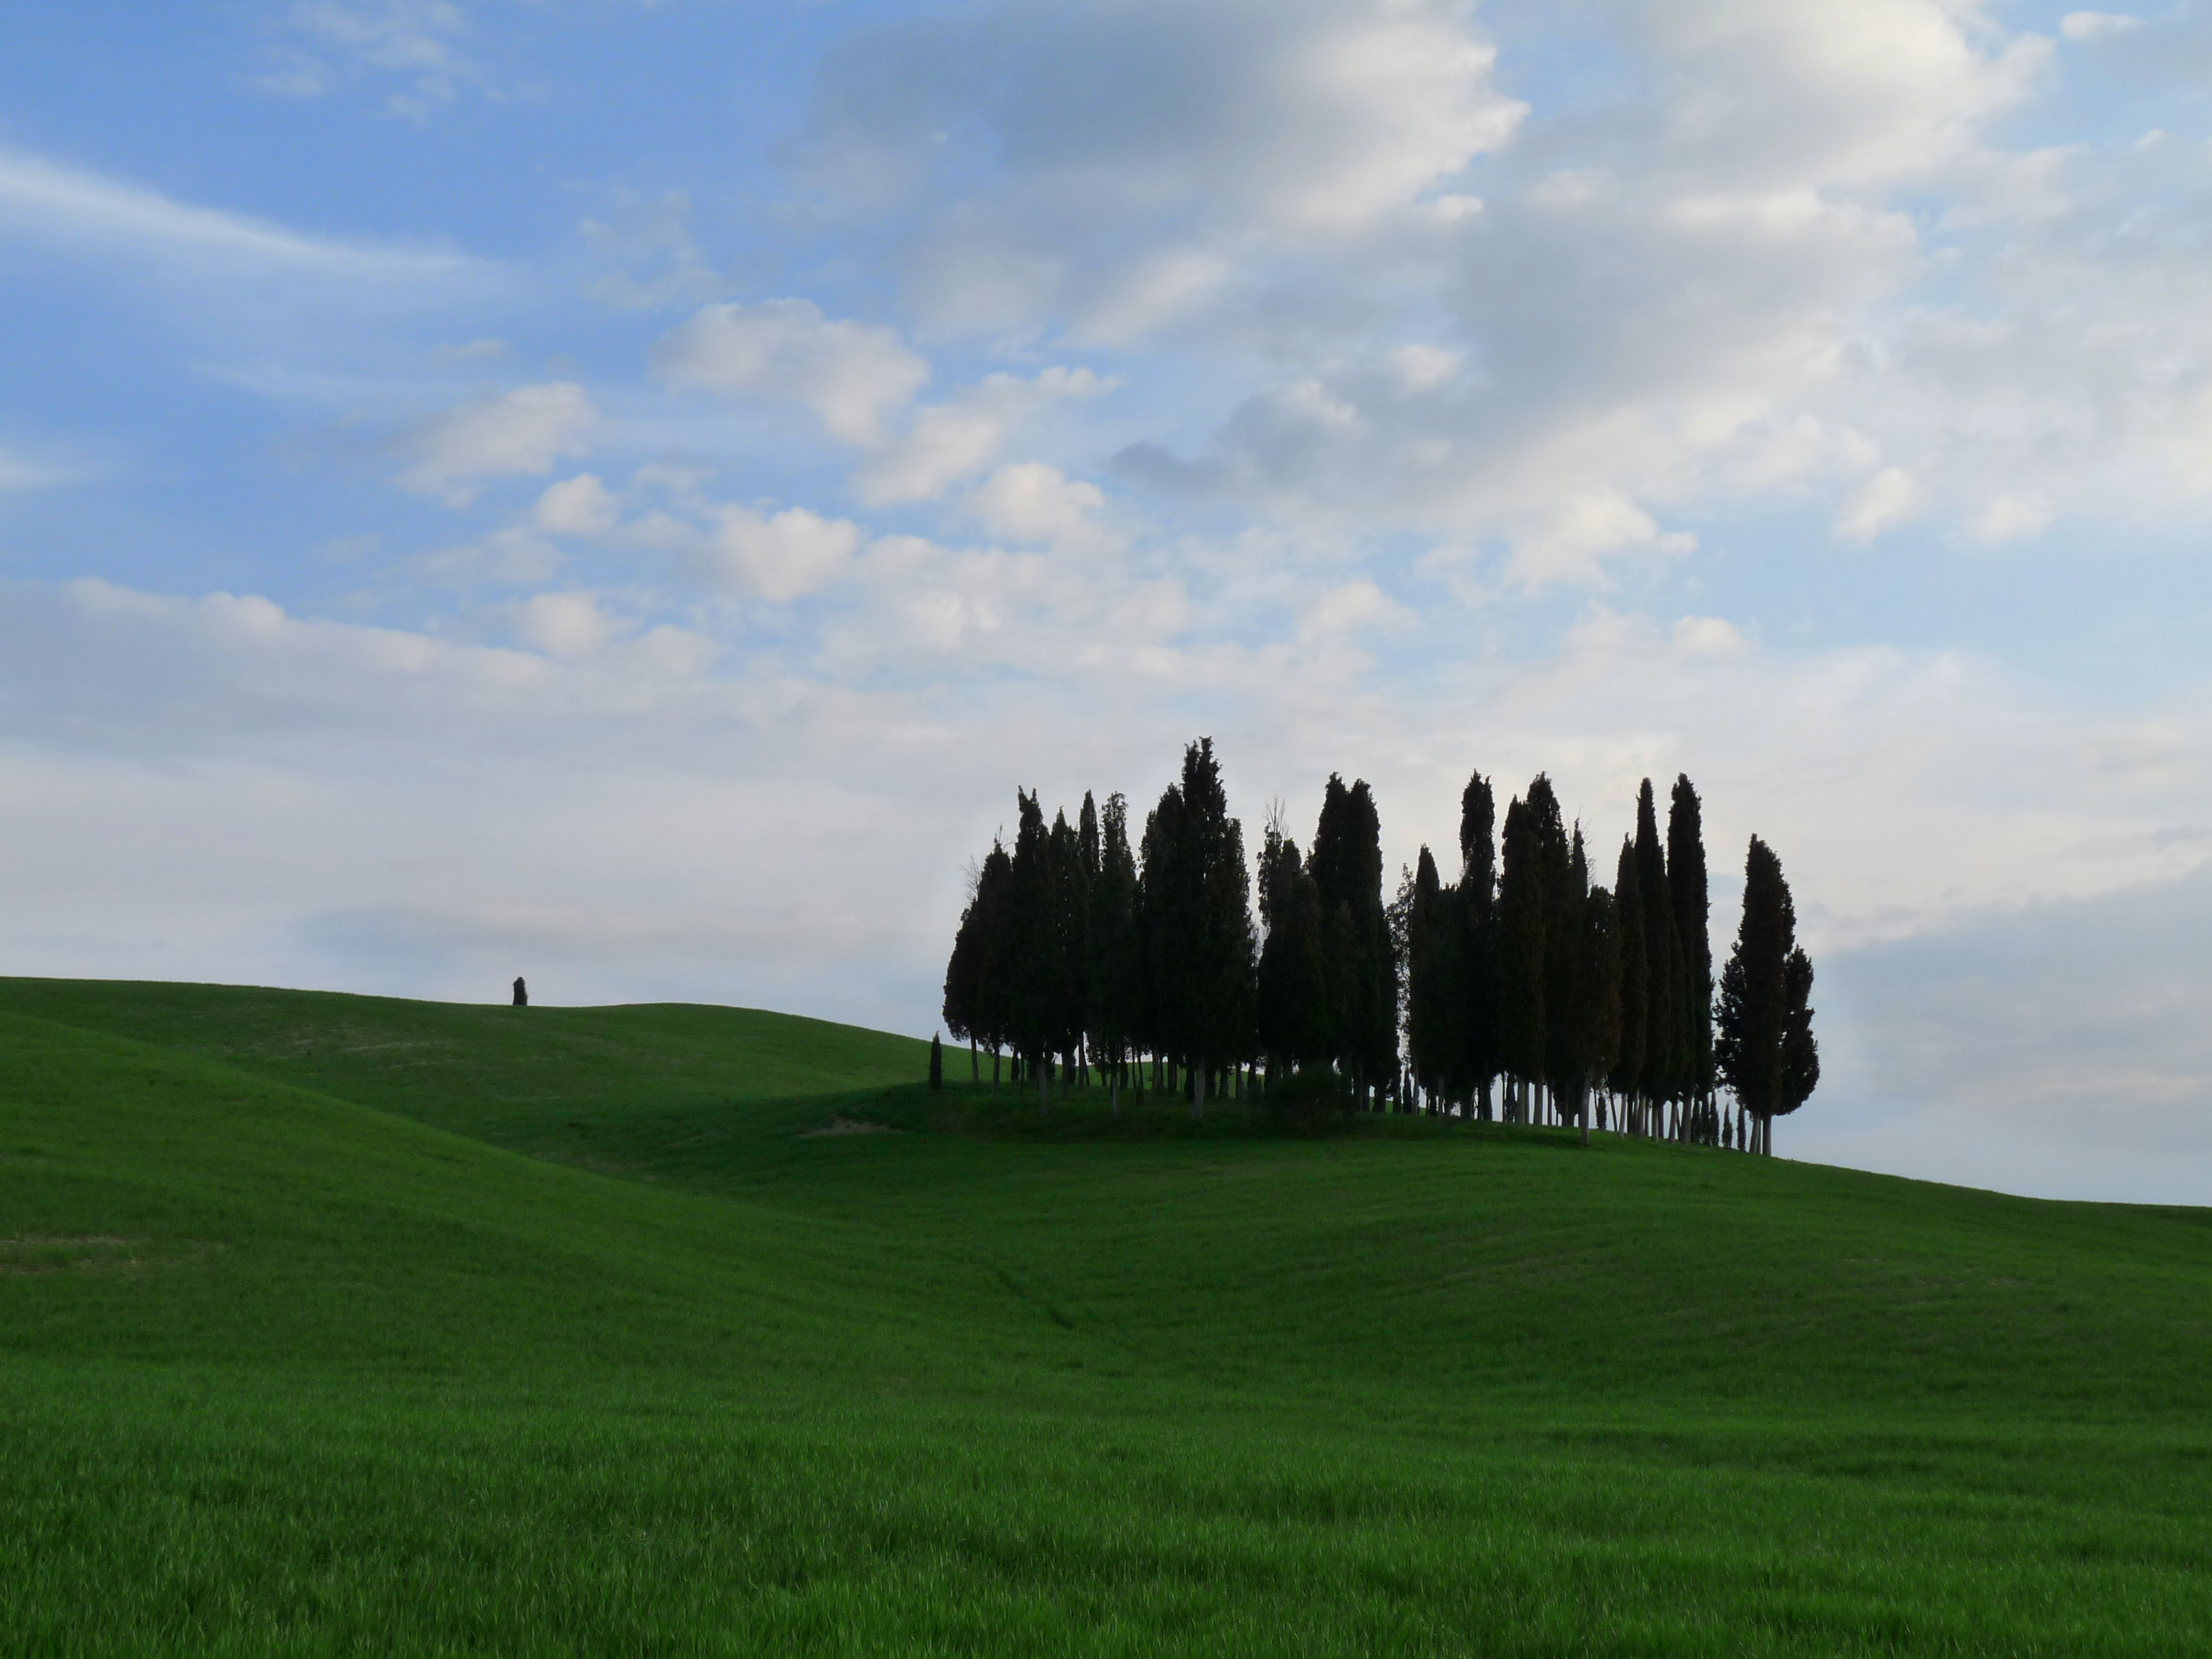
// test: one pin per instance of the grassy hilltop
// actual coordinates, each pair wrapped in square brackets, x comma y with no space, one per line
[335,1324]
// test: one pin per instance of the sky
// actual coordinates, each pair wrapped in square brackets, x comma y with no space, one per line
[624,492]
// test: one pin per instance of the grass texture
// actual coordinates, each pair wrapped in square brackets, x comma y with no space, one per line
[339,1325]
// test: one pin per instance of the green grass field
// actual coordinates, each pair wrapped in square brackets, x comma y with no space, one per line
[342,1325]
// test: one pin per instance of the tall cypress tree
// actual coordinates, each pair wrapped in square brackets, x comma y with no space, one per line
[1293,1024]
[1346,864]
[1071,922]
[1165,906]
[1114,963]
[1038,999]
[1627,1077]
[1219,970]
[1435,994]
[1521,956]
[1482,1017]
[1755,994]
[1663,960]
[1598,1024]
[998,979]
[1801,1053]
[1685,875]
[1565,886]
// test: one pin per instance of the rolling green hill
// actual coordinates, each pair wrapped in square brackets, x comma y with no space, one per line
[336,1324]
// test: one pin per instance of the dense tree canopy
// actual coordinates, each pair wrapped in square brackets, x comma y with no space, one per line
[1082,952]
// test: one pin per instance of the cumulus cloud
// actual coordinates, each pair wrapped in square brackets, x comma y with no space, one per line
[948,441]
[783,556]
[580,506]
[522,432]
[853,375]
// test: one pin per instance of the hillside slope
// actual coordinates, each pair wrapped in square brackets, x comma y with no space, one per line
[283,1369]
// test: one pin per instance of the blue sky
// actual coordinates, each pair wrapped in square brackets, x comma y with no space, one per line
[623,493]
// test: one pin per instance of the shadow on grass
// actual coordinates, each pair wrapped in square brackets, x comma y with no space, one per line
[1084,1115]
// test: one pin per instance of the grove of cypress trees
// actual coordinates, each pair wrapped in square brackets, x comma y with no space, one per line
[1564,887]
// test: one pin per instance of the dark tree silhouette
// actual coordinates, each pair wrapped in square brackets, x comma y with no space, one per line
[1039,994]
[1520,955]
[1435,991]
[1482,1016]
[1294,1029]
[521,992]
[1627,1081]
[1597,1001]
[991,1017]
[1662,1070]
[936,1062]
[1755,999]
[1346,864]
[1115,963]
[1801,1053]
[1197,920]
[1685,876]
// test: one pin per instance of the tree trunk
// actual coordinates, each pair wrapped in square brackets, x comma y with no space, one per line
[1198,1090]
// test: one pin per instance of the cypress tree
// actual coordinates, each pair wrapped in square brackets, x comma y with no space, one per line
[1663,958]
[1598,1011]
[1037,1001]
[1685,875]
[936,1062]
[1756,997]
[998,978]
[1521,941]
[1627,1078]
[1115,961]
[1482,1016]
[1071,920]
[1293,983]
[1346,862]
[1565,885]
[1165,906]
[1218,971]
[1435,994]
[1801,1053]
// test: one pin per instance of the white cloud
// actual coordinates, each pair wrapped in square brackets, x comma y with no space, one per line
[853,375]
[43,199]
[2096,25]
[413,38]
[524,431]
[1708,636]
[785,556]
[1886,499]
[2011,518]
[565,624]
[948,441]
[1036,505]
[580,506]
